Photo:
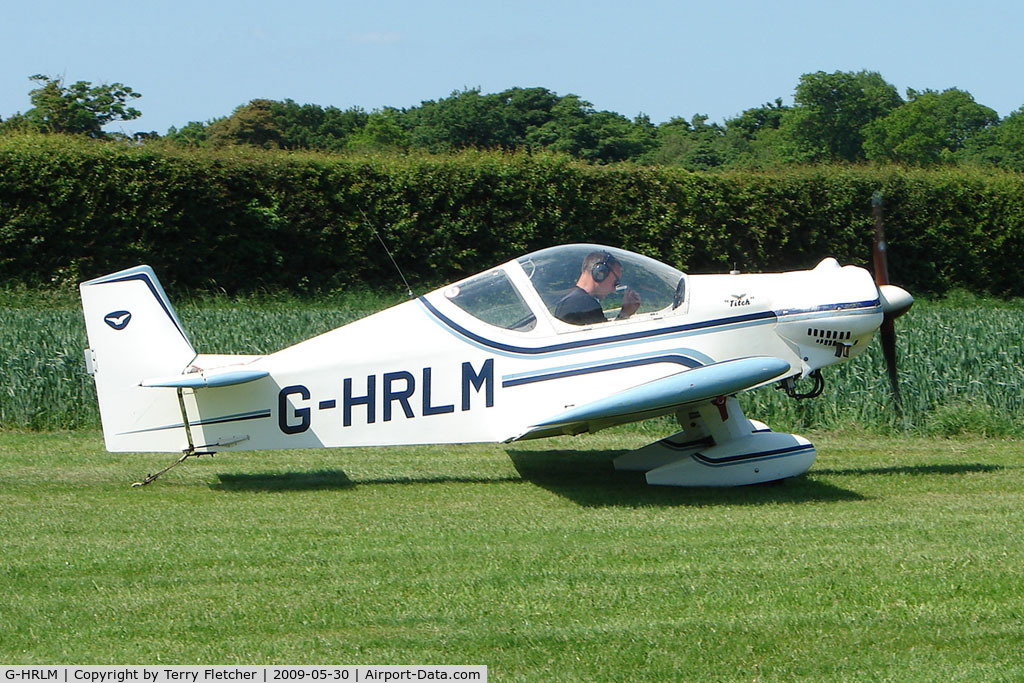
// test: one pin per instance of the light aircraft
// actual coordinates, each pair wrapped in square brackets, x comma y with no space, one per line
[487,360]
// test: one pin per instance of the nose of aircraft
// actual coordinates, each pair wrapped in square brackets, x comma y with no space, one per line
[895,300]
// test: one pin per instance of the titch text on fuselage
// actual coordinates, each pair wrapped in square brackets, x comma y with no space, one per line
[384,397]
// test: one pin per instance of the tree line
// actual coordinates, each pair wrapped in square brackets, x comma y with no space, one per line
[839,117]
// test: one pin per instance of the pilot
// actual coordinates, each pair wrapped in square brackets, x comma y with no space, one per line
[599,277]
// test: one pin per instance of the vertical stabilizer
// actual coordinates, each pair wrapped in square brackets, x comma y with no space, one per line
[134,334]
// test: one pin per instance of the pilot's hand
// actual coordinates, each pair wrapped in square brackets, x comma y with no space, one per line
[630,303]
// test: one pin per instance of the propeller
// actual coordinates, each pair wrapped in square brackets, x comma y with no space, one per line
[895,300]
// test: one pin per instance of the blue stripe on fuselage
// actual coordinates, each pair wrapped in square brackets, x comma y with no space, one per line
[827,308]
[748,319]
[559,373]
[238,417]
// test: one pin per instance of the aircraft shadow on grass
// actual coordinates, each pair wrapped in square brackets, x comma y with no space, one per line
[590,479]
[587,478]
[284,481]
[332,479]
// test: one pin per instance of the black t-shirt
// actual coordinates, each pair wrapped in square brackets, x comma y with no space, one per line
[579,308]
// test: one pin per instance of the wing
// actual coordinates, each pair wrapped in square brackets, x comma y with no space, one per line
[661,396]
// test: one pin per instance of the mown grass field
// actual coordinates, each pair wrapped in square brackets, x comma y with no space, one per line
[894,558]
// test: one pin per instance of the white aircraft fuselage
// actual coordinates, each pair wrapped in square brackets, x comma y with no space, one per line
[483,360]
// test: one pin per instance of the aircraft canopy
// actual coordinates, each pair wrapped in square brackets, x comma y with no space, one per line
[494,298]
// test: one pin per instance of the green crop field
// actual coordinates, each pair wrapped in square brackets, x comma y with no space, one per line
[961,363]
[894,558]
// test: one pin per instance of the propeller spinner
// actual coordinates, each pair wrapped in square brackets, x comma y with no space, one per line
[895,300]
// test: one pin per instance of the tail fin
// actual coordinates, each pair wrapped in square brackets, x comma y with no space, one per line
[134,334]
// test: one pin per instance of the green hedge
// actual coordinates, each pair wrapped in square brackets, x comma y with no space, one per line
[243,220]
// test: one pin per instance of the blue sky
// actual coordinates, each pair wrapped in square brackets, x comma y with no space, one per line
[197,60]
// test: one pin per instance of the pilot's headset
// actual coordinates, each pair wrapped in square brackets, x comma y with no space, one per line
[603,268]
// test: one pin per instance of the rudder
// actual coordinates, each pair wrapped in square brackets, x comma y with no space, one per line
[134,334]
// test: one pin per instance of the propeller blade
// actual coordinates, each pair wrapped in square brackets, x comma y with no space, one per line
[887,337]
[895,301]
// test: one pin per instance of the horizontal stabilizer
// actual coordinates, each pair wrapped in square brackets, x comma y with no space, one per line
[202,380]
[664,395]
